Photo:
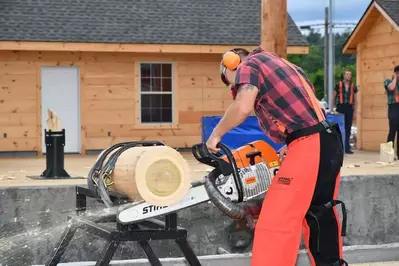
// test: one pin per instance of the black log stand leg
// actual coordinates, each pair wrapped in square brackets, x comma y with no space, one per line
[151,229]
[55,142]
[151,256]
[188,251]
[171,224]
[62,246]
[108,252]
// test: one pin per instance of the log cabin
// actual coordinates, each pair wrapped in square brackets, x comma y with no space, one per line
[118,71]
[375,41]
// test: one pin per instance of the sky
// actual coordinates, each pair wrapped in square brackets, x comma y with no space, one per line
[312,11]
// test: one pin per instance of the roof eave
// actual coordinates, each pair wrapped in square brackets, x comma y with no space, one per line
[132,47]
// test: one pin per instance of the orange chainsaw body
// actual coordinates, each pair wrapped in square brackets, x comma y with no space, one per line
[268,155]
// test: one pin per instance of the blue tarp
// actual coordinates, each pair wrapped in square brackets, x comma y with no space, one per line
[250,131]
[247,132]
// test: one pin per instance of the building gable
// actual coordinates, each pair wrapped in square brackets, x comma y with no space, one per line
[375,10]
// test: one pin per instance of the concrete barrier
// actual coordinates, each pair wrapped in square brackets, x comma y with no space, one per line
[32,220]
[353,255]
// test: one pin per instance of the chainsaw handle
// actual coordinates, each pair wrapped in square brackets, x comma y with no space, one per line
[203,155]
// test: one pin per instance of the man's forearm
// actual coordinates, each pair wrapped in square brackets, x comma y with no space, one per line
[232,118]
[332,101]
[392,85]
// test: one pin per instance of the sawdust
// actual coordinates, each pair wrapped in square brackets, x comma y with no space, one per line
[15,171]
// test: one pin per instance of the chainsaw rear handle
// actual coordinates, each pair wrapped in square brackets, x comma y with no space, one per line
[203,155]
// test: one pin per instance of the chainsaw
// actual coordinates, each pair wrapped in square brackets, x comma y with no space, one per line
[239,178]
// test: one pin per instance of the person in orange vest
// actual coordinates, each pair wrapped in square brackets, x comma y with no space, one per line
[392,91]
[345,96]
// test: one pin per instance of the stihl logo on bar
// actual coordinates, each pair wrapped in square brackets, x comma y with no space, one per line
[152,208]
[284,180]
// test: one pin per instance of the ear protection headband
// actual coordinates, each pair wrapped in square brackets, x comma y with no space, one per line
[231,59]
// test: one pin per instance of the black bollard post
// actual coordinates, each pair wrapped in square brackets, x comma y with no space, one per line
[55,142]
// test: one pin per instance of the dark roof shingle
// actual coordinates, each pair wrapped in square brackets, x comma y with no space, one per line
[391,7]
[217,22]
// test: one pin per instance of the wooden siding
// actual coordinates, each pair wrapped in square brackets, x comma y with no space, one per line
[109,97]
[377,54]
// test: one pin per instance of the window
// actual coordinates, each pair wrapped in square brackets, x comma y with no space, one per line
[156,93]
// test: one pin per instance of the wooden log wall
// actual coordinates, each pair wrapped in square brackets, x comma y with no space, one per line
[377,55]
[109,98]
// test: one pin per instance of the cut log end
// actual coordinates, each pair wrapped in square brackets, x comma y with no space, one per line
[158,175]
[162,177]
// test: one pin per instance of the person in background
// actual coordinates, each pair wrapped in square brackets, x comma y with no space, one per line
[345,98]
[392,91]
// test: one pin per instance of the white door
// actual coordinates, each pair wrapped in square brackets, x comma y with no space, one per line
[60,93]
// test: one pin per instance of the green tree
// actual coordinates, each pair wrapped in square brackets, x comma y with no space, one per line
[313,63]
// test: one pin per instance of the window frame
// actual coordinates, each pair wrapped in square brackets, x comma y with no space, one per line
[172,92]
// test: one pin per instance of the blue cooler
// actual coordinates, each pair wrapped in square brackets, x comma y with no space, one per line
[340,120]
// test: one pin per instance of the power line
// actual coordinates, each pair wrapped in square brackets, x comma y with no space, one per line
[335,25]
[329,46]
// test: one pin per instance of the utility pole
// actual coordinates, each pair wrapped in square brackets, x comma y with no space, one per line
[326,98]
[330,56]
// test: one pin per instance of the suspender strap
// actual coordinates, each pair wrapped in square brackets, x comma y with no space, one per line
[341,92]
[309,92]
[344,216]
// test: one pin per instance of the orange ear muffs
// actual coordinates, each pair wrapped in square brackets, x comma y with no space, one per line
[231,60]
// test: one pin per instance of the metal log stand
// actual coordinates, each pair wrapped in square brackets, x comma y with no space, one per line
[142,232]
[55,142]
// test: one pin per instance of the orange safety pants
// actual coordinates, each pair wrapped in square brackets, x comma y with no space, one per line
[303,198]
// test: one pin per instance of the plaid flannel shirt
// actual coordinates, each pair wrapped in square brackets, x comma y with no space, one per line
[393,96]
[282,104]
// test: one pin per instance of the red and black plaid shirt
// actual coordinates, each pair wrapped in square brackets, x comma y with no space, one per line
[282,105]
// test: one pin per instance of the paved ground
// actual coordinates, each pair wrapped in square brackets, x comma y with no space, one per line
[14,171]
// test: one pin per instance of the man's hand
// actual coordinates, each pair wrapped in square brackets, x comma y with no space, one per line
[391,86]
[212,142]
[282,152]
[235,114]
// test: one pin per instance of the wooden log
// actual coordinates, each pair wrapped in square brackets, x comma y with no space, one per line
[157,174]
[53,122]
[274,26]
